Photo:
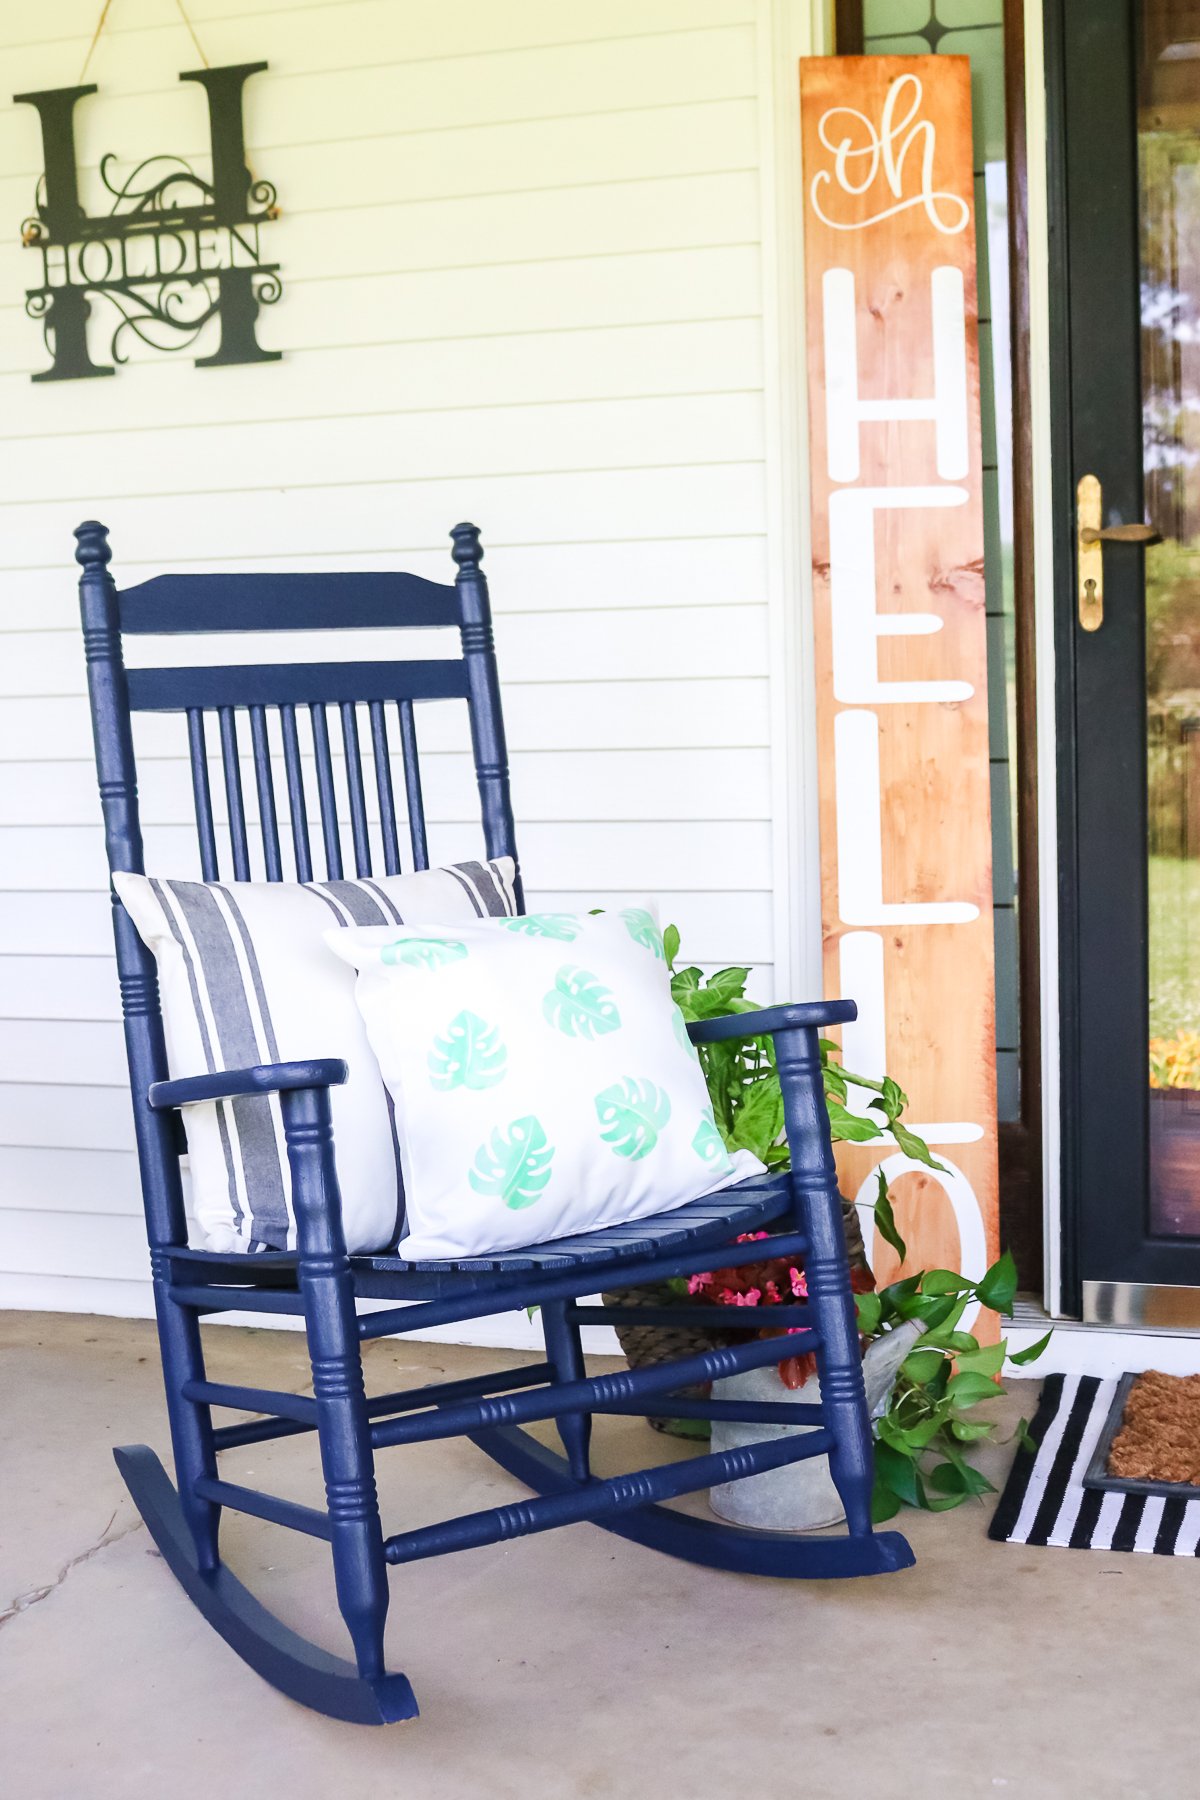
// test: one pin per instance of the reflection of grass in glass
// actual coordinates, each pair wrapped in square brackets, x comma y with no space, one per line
[1174,946]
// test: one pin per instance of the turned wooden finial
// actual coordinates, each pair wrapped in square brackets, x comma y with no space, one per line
[92,548]
[467,551]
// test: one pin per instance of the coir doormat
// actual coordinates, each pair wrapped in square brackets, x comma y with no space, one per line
[1047,1501]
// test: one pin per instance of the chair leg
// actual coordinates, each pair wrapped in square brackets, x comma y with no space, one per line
[827,1272]
[564,1350]
[190,1420]
[335,1352]
[347,1459]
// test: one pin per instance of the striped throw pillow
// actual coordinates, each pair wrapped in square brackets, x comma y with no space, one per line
[245,977]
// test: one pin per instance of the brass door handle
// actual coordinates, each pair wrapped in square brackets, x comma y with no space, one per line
[1090,538]
[1120,534]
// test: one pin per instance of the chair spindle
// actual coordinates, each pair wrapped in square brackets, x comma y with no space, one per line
[354,786]
[383,783]
[267,815]
[294,770]
[202,795]
[412,786]
[326,793]
[233,793]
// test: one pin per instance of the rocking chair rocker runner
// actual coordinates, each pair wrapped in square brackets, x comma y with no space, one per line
[320,1283]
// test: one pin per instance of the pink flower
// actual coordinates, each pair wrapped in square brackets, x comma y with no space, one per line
[799,1285]
[698,1283]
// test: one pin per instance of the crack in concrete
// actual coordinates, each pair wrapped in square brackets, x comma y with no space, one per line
[35,1596]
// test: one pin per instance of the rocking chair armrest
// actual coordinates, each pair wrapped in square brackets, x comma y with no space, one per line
[263,1078]
[769,1021]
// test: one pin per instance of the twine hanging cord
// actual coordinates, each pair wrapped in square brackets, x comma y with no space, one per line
[100,23]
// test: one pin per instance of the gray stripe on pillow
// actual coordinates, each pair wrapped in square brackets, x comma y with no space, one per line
[505,890]
[255,1127]
[363,908]
[202,1026]
[460,876]
[488,888]
[393,915]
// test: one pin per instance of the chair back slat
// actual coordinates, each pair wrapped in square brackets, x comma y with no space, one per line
[202,795]
[273,684]
[327,794]
[233,793]
[412,786]
[181,604]
[383,786]
[297,805]
[356,792]
[268,819]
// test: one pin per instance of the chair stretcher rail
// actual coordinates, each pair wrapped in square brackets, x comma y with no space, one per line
[597,1499]
[572,1396]
[259,1431]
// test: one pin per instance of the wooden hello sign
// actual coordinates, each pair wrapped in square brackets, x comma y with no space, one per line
[897,545]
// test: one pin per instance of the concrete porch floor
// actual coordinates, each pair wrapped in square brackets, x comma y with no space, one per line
[568,1664]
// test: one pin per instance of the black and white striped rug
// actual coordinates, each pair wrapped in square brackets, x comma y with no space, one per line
[1045,1501]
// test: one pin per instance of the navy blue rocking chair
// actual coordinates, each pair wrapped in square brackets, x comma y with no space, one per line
[320,1283]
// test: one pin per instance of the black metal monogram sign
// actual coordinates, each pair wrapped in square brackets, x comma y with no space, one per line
[172,251]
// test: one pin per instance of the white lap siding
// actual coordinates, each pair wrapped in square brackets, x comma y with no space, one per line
[522,248]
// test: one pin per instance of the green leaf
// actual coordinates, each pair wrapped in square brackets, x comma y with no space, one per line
[562,927]
[671,945]
[580,1005]
[914,1146]
[851,1128]
[685,985]
[634,1112]
[470,1055]
[951,1340]
[869,1308]
[885,1222]
[835,1082]
[944,1281]
[971,1390]
[759,1120]
[988,1361]
[514,1166]
[641,926]
[423,953]
[884,1504]
[969,1430]
[999,1286]
[1021,1357]
[897,1473]
[708,1143]
[958,1477]
[922,1365]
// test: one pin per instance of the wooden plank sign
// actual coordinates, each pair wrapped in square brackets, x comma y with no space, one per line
[897,546]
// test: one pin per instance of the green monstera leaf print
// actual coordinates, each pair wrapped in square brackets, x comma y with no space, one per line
[423,953]
[708,1143]
[580,1005]
[679,1027]
[633,1113]
[514,1165]
[639,923]
[470,1055]
[562,927]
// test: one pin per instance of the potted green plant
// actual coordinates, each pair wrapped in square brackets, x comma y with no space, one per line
[923,1394]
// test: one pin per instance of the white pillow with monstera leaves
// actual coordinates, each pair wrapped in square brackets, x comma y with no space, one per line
[542,1077]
